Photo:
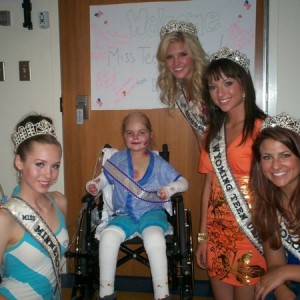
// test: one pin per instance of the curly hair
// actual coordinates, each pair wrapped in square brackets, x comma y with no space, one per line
[216,117]
[166,81]
[267,197]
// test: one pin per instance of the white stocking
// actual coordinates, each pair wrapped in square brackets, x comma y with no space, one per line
[155,246]
[109,245]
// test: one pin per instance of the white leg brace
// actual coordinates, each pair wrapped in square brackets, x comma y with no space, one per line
[109,245]
[155,246]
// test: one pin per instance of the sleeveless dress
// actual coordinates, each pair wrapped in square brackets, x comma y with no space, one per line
[27,267]
[232,258]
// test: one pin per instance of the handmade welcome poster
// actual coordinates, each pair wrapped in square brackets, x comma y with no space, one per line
[124,40]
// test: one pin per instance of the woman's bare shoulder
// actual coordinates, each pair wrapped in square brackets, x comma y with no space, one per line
[60,200]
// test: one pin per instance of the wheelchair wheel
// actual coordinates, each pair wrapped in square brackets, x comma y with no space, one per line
[86,253]
[180,251]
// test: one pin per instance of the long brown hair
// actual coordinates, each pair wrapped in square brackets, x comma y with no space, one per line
[216,116]
[267,197]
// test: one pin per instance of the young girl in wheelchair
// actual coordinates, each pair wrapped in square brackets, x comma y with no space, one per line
[143,183]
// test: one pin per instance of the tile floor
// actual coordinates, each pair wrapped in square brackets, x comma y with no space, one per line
[132,296]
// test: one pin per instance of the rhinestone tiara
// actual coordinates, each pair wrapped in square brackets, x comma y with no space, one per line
[234,55]
[30,130]
[178,26]
[283,120]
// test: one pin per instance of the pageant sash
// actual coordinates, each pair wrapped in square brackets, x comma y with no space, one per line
[31,221]
[234,196]
[131,185]
[191,112]
[290,242]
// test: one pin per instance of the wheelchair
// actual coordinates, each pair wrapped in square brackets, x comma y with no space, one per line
[179,248]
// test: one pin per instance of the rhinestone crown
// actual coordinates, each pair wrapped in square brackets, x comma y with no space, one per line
[283,120]
[178,26]
[234,55]
[30,130]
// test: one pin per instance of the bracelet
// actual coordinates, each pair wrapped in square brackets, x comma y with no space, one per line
[201,237]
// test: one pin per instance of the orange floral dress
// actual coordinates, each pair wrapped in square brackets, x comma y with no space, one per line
[231,257]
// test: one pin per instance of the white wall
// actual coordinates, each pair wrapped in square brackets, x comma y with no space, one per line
[41,48]
[42,93]
[284,62]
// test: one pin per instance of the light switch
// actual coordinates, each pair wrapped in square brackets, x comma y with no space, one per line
[2,71]
[24,70]
[82,104]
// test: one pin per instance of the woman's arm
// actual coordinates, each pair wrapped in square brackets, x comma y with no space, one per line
[6,233]
[199,138]
[6,228]
[202,246]
[277,275]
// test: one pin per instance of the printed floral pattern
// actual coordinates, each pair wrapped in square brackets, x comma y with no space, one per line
[227,261]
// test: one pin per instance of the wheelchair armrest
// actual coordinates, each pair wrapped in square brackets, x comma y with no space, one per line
[91,201]
[87,198]
[177,197]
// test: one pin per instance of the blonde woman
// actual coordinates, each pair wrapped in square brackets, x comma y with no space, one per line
[181,61]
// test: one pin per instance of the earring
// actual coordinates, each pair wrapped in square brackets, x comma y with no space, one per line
[19,175]
[244,96]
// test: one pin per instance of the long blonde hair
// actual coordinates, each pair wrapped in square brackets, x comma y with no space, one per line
[166,81]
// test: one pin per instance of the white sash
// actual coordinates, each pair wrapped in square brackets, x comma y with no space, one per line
[234,196]
[131,185]
[192,113]
[31,221]
[290,242]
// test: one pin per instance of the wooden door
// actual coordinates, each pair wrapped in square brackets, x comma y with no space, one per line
[82,142]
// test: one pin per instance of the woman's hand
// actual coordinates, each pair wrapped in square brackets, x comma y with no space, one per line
[273,281]
[201,255]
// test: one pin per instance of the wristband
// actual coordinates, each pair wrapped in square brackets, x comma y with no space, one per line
[201,237]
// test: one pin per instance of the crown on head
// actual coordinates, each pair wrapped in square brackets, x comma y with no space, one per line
[178,26]
[283,120]
[30,130]
[234,55]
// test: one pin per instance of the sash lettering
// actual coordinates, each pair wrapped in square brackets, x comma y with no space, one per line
[290,242]
[49,242]
[31,221]
[234,196]
[28,217]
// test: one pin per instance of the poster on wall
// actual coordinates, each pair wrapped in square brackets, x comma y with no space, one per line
[124,40]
